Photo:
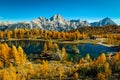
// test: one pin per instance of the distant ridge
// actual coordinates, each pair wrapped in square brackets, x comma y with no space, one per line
[103,22]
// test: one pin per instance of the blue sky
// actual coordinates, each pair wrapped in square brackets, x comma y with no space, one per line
[91,10]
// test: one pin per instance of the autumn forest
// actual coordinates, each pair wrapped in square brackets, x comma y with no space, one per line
[53,63]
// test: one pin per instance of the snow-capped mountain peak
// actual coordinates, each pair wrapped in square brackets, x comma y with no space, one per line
[56,18]
[57,22]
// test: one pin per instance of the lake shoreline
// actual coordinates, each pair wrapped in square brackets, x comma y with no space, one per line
[107,45]
[65,42]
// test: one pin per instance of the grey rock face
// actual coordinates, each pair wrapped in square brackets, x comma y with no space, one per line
[56,22]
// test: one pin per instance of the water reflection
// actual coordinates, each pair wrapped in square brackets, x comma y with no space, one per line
[37,46]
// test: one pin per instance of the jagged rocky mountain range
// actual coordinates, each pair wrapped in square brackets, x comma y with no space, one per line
[56,22]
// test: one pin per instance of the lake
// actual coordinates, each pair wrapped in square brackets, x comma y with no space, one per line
[35,47]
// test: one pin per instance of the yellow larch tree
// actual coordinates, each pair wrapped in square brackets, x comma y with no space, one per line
[107,69]
[63,54]
[21,33]
[101,76]
[102,58]
[87,57]
[63,35]
[13,75]
[60,72]
[5,75]
[15,55]
[49,42]
[76,76]
[59,35]
[22,55]
[1,34]
[45,47]
[15,33]
[56,47]
[9,34]
[116,57]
